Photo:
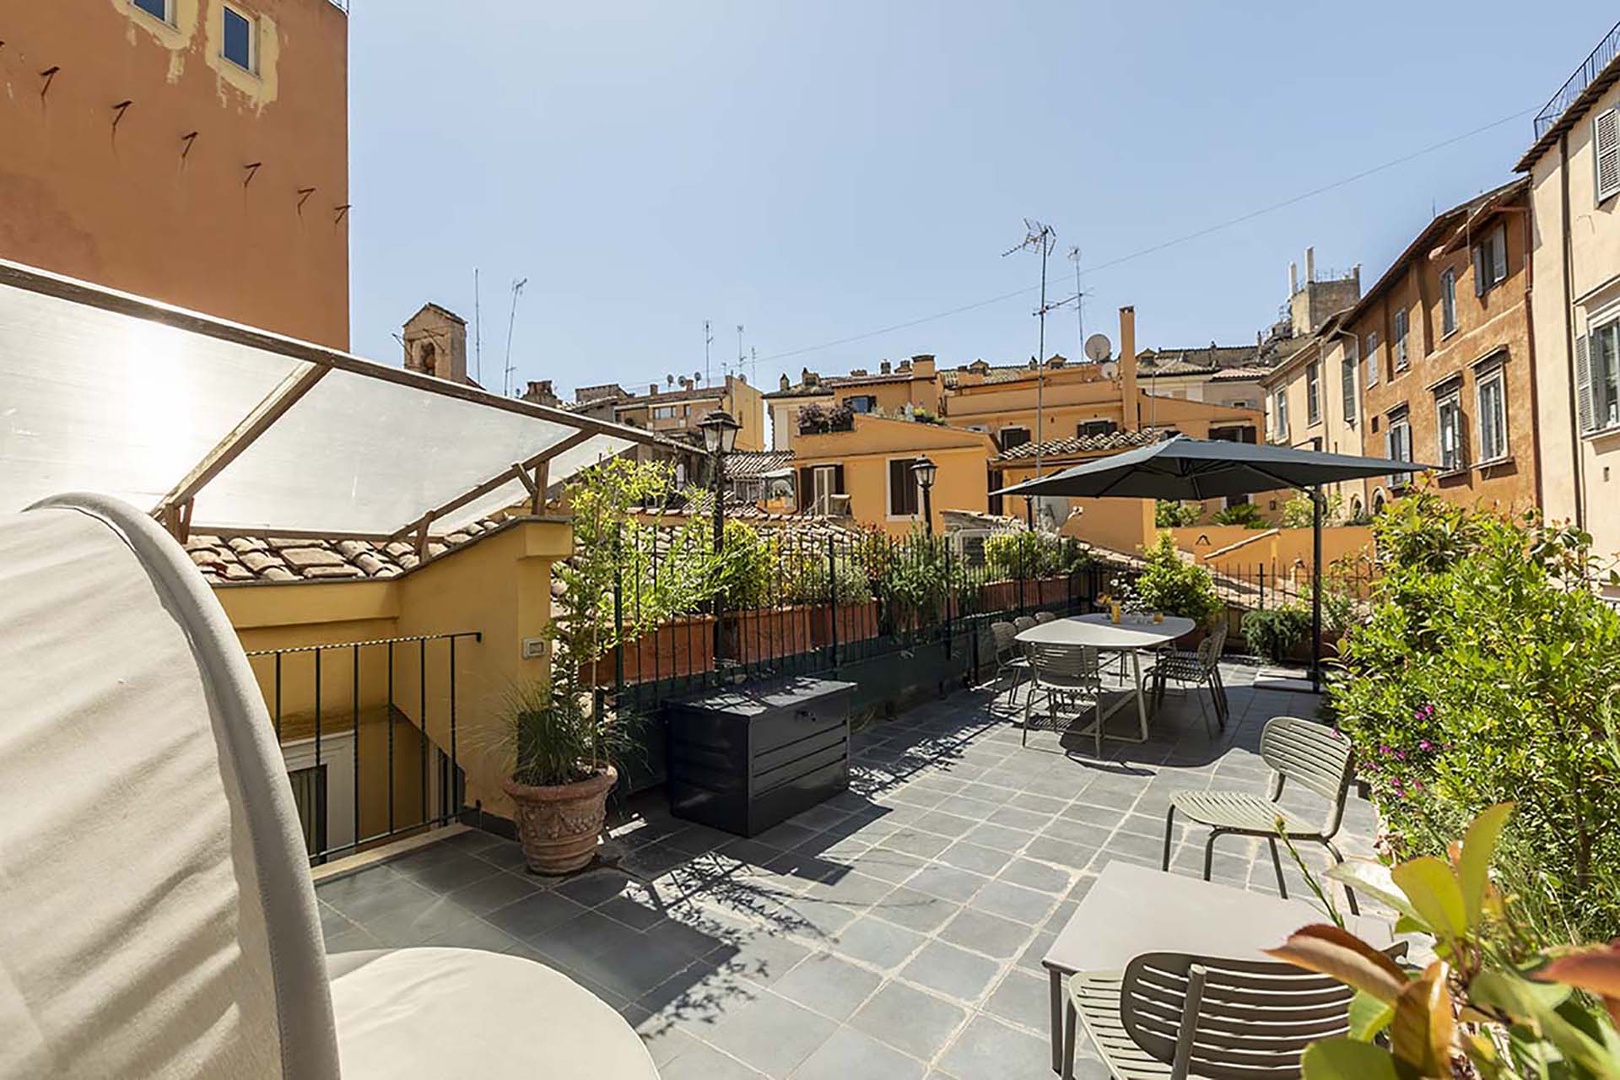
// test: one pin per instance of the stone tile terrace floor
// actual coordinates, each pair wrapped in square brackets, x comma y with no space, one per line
[896,931]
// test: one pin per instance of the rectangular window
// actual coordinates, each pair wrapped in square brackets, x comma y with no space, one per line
[1095,428]
[1398,340]
[158,9]
[1491,390]
[1606,147]
[240,46]
[1398,446]
[902,488]
[1013,436]
[1313,392]
[1448,301]
[1597,373]
[1347,386]
[1279,417]
[863,403]
[1490,261]
[1448,429]
[1372,359]
[663,412]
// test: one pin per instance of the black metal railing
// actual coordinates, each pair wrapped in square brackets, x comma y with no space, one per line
[1601,57]
[352,719]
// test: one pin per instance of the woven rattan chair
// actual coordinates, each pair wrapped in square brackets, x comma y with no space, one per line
[1067,675]
[1023,622]
[1044,617]
[1174,1015]
[1198,669]
[1009,657]
[1304,751]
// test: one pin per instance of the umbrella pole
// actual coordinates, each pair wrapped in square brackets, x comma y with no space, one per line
[1316,588]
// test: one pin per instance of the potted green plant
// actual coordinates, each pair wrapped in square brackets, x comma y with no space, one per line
[561,775]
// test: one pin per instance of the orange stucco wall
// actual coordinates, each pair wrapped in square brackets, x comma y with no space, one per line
[138,207]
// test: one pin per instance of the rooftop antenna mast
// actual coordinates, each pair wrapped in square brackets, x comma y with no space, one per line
[1079,299]
[708,339]
[1039,236]
[741,356]
[478,336]
[511,321]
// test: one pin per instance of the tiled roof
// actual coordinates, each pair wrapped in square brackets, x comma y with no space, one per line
[696,393]
[824,386]
[1170,368]
[1204,356]
[995,373]
[1240,374]
[245,560]
[753,464]
[1084,444]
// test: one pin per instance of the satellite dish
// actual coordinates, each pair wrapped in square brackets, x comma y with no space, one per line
[1098,348]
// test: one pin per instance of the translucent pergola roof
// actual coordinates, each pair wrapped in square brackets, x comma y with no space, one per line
[239,431]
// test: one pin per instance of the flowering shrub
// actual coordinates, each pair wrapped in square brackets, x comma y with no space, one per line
[1488,671]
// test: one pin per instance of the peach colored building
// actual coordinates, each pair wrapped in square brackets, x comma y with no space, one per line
[1573,170]
[1447,371]
[192,151]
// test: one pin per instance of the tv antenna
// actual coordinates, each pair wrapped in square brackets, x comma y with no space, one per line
[511,321]
[1079,297]
[708,339]
[1042,237]
[478,336]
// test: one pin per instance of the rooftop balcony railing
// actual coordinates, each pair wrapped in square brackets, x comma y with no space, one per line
[1584,75]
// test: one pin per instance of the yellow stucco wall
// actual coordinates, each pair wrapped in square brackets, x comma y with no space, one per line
[961,483]
[498,586]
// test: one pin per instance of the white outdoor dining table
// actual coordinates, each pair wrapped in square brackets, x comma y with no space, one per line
[1130,635]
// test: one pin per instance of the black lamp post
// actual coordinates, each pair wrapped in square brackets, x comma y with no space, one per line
[924,470]
[719,439]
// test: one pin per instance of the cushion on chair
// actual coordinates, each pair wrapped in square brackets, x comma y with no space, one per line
[465,1012]
[1240,812]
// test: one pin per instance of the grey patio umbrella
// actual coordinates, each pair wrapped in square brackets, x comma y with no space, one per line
[1192,469]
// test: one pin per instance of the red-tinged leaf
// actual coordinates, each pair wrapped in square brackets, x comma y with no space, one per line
[1421,1033]
[1596,970]
[1329,950]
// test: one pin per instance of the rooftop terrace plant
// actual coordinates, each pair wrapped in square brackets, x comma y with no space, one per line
[1488,670]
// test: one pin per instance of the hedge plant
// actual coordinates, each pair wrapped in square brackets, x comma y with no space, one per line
[1174,585]
[1486,671]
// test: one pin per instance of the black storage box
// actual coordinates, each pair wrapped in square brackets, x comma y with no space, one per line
[745,758]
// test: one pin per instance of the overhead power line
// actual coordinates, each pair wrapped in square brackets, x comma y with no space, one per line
[1162,245]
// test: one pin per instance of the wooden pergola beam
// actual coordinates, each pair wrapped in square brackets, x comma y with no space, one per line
[537,462]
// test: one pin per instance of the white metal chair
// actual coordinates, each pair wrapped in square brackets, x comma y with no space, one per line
[159,918]
[1198,669]
[1067,675]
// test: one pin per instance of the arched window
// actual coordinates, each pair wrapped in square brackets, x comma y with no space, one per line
[428,358]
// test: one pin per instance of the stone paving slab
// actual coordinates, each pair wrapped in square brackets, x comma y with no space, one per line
[893,931]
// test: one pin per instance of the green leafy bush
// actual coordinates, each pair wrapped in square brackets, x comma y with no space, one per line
[1296,513]
[1244,514]
[1170,514]
[1487,671]
[1031,554]
[1174,585]
[808,581]
[1273,633]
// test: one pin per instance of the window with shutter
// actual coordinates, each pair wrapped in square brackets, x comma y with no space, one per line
[1347,387]
[1606,144]
[1490,387]
[1448,301]
[1498,254]
[1603,348]
[902,488]
[1372,359]
[1313,394]
[1398,340]
[1583,381]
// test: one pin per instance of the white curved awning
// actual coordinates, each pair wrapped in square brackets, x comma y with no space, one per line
[232,429]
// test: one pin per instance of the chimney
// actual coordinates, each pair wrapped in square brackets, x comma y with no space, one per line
[1127,367]
[1310,265]
[886,368]
[540,392]
[652,388]
[1293,278]
[785,384]
[922,365]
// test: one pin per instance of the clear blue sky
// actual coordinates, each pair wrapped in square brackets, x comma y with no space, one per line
[821,170]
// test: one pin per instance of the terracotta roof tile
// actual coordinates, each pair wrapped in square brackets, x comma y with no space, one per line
[1085,444]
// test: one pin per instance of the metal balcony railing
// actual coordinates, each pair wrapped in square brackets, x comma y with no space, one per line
[1601,57]
[352,719]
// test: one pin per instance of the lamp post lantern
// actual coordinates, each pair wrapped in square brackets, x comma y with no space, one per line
[924,470]
[719,439]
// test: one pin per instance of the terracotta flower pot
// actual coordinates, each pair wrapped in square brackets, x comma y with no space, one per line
[559,825]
